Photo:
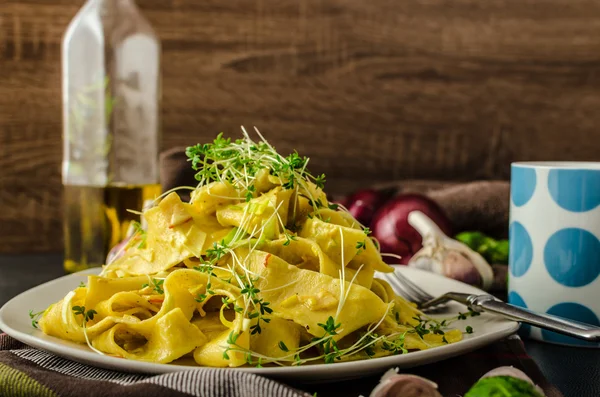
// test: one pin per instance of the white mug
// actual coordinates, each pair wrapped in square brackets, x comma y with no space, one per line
[554,234]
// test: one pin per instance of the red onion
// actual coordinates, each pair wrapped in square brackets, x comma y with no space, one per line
[391,228]
[364,203]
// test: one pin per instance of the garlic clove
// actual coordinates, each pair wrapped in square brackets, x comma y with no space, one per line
[393,384]
[444,255]
[460,267]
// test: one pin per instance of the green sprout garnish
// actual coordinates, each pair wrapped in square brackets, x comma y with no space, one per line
[87,315]
[156,286]
[35,317]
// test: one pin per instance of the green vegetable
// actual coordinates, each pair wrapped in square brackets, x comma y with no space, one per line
[471,239]
[502,386]
[494,251]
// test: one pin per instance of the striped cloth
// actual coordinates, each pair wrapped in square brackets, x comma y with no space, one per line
[27,372]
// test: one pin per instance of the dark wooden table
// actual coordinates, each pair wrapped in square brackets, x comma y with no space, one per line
[575,371]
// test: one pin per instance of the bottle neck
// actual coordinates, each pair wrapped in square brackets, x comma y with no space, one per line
[111,10]
[113,4]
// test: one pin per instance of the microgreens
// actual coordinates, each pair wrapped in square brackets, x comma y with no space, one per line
[227,302]
[282,346]
[427,326]
[156,286]
[143,235]
[421,330]
[250,193]
[432,326]
[263,309]
[473,313]
[217,251]
[470,313]
[200,298]
[239,161]
[320,181]
[317,203]
[209,290]
[329,345]
[288,239]
[206,268]
[231,341]
[395,345]
[369,351]
[35,317]
[87,315]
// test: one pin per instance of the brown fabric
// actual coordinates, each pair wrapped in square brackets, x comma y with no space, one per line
[176,171]
[481,205]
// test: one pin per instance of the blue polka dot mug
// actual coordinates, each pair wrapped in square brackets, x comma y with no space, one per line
[554,232]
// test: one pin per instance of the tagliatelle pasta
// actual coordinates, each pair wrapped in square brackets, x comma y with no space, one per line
[258,268]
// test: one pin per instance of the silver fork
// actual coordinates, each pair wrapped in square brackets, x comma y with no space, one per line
[488,303]
[411,291]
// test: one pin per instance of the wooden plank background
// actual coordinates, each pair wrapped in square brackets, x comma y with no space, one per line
[370,90]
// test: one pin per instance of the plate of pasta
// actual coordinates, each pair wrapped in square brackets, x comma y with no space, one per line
[257,272]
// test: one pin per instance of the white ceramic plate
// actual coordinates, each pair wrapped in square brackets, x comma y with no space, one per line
[14,320]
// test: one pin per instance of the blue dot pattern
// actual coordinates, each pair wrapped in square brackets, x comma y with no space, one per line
[572,257]
[520,249]
[573,311]
[575,190]
[522,184]
[517,300]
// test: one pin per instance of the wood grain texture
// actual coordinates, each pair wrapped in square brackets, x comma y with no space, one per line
[370,90]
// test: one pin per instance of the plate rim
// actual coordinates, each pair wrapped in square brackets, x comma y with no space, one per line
[67,350]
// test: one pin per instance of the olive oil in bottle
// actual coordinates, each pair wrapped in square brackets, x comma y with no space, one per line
[111,133]
[96,219]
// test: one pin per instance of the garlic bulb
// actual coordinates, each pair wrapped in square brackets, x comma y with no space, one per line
[393,384]
[442,255]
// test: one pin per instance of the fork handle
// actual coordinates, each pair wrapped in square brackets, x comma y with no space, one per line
[553,323]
